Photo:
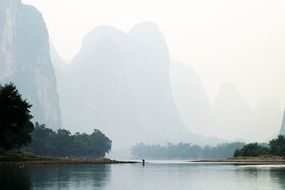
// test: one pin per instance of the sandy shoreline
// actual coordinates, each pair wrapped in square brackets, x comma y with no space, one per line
[66,162]
[59,161]
[26,159]
[15,158]
[247,161]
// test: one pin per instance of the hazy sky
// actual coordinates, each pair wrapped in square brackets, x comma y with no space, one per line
[232,41]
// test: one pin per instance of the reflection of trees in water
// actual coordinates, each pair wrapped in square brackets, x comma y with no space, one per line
[275,176]
[71,176]
[278,176]
[250,173]
[15,178]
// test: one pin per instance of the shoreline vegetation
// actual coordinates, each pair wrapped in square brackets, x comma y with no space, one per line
[19,133]
[185,151]
[42,145]
[13,158]
[236,152]
[29,159]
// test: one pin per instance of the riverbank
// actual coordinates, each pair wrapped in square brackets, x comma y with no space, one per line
[266,160]
[22,158]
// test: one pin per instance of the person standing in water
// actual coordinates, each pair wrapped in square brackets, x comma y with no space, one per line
[143,162]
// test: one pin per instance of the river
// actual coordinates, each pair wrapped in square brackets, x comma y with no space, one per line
[157,175]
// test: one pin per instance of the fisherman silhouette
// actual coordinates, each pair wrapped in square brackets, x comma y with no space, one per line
[143,162]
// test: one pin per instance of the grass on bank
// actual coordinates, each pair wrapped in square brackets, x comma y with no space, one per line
[18,156]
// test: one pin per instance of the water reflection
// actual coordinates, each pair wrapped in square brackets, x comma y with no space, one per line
[194,176]
[267,177]
[54,177]
[278,176]
[15,178]
[152,177]
[71,177]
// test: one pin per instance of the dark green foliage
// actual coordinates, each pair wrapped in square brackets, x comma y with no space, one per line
[252,150]
[99,143]
[277,146]
[184,151]
[62,143]
[41,136]
[15,125]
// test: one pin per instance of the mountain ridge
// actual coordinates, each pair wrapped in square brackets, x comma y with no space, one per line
[124,82]
[25,60]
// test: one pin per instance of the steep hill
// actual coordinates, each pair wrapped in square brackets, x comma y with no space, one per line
[25,59]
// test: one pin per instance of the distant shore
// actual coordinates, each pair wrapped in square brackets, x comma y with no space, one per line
[247,161]
[26,159]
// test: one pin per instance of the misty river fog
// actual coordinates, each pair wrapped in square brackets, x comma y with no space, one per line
[88,86]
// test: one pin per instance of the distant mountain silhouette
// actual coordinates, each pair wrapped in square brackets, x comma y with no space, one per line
[269,118]
[239,121]
[58,63]
[232,114]
[191,99]
[120,83]
[25,59]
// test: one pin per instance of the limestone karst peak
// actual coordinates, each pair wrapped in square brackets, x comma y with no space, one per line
[25,59]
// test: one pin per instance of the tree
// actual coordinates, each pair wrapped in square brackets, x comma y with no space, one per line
[277,146]
[184,151]
[252,150]
[100,144]
[62,143]
[15,119]
[41,144]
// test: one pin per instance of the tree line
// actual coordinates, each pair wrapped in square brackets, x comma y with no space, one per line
[18,131]
[275,147]
[184,151]
[62,143]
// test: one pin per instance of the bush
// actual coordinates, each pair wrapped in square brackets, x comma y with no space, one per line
[252,150]
[62,143]
[277,146]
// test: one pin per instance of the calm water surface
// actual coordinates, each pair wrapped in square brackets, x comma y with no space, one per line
[153,176]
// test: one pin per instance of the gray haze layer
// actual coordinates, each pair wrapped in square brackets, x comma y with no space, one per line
[126,84]
[123,84]
[191,99]
[120,83]
[25,60]
[231,110]
[282,131]
[237,120]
